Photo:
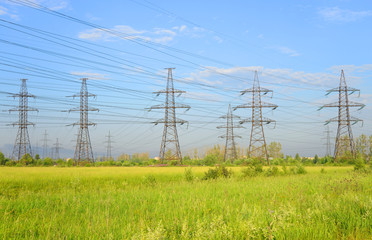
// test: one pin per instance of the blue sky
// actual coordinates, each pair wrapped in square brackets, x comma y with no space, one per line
[298,48]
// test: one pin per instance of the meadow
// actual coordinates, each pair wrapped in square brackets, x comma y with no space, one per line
[161,203]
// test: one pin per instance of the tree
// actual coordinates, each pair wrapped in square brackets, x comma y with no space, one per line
[316,159]
[26,159]
[2,159]
[362,146]
[274,150]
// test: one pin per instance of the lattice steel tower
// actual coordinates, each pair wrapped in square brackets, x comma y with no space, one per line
[257,143]
[45,144]
[57,147]
[230,153]
[170,147]
[328,141]
[344,139]
[22,143]
[83,150]
[109,146]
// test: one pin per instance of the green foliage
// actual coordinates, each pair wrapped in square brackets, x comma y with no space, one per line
[172,162]
[189,176]
[217,172]
[26,160]
[2,159]
[322,170]
[300,169]
[272,171]
[360,166]
[252,170]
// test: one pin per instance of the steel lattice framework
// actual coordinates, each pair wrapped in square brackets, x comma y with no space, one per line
[257,143]
[109,146]
[328,141]
[230,153]
[22,143]
[344,139]
[56,149]
[170,147]
[83,150]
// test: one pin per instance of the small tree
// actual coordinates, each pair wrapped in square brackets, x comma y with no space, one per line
[2,159]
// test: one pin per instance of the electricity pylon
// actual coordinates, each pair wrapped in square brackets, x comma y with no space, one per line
[45,144]
[257,143]
[22,143]
[328,141]
[344,139]
[57,147]
[230,153]
[170,146]
[109,146]
[83,150]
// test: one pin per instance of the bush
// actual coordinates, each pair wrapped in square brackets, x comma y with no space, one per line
[189,175]
[285,170]
[172,163]
[272,171]
[252,170]
[360,166]
[10,163]
[300,169]
[217,172]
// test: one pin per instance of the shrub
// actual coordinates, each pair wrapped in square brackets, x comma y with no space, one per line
[272,171]
[10,163]
[252,170]
[217,172]
[285,170]
[172,163]
[300,169]
[189,175]
[360,166]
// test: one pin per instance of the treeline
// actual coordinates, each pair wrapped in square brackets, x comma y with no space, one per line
[210,157]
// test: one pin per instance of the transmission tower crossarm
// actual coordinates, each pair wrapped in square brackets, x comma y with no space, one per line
[260,90]
[344,89]
[262,120]
[162,106]
[338,105]
[169,91]
[180,121]
[262,105]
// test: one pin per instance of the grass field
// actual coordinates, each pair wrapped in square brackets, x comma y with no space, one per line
[158,203]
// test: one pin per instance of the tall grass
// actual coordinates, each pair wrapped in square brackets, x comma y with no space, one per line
[160,203]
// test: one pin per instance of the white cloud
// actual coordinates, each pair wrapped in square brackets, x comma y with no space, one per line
[218,39]
[6,12]
[90,75]
[287,51]
[158,35]
[182,28]
[351,68]
[215,76]
[335,14]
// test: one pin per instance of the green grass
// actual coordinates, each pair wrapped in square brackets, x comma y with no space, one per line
[158,203]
